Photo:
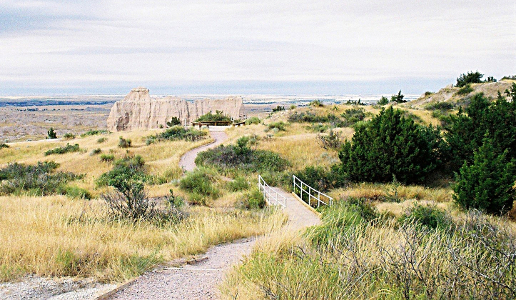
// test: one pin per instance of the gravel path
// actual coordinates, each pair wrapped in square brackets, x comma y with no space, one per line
[35,287]
[187,161]
[200,280]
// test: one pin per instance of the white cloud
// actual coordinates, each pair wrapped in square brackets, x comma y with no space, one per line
[56,42]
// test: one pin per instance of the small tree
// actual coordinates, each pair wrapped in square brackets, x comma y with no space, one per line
[470,77]
[487,184]
[51,134]
[383,101]
[398,98]
[391,145]
[173,122]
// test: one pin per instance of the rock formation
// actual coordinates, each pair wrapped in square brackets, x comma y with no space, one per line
[139,111]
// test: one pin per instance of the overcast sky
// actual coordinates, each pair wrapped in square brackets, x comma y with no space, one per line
[332,47]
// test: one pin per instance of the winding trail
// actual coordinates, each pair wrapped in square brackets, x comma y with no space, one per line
[187,161]
[200,280]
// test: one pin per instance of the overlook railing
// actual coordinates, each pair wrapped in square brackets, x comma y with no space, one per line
[310,195]
[271,195]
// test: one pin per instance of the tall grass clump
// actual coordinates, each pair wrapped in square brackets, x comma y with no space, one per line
[359,254]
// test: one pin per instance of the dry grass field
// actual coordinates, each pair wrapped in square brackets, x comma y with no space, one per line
[56,235]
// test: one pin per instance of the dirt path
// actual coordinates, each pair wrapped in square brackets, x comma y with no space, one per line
[187,161]
[200,280]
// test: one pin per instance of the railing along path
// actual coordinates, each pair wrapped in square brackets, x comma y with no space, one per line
[271,195]
[302,189]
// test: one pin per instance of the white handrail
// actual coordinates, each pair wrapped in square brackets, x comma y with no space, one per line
[302,188]
[270,195]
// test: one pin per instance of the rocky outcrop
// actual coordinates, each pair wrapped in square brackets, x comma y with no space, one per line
[139,111]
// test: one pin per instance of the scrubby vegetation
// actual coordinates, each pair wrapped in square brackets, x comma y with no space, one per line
[359,253]
[107,157]
[3,145]
[69,136]
[331,141]
[278,108]
[94,132]
[51,134]
[177,133]
[218,116]
[321,178]
[278,126]
[252,120]
[40,179]
[64,149]
[173,122]
[467,78]
[488,183]
[124,143]
[241,157]
[401,147]
[200,185]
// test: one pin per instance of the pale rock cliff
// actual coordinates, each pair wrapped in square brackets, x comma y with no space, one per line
[139,111]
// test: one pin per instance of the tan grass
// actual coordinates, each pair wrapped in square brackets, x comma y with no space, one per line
[36,231]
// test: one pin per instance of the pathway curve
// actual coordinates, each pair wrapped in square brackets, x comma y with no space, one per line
[187,161]
[200,280]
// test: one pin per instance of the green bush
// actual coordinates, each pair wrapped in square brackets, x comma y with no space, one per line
[94,132]
[278,108]
[51,134]
[95,151]
[101,140]
[391,145]
[217,117]
[488,183]
[465,90]
[253,120]
[470,77]
[398,98]
[427,216]
[383,101]
[69,136]
[62,150]
[124,143]
[322,179]
[316,103]
[239,184]
[75,192]
[467,130]
[241,157]
[3,145]
[107,157]
[200,185]
[177,133]
[277,125]
[40,179]
[173,122]
[439,106]
[254,199]
[125,173]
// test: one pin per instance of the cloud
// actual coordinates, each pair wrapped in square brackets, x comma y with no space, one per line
[59,42]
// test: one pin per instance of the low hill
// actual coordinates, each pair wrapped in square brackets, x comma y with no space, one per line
[456,95]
